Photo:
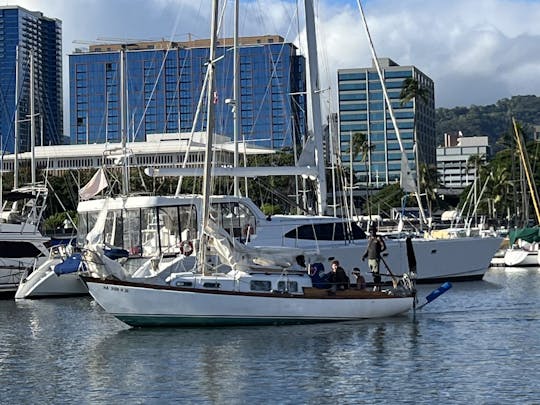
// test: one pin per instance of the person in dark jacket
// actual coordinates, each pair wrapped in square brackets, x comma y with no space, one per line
[373,252]
[319,279]
[338,278]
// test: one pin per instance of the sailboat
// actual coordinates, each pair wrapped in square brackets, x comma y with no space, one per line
[22,246]
[524,243]
[263,286]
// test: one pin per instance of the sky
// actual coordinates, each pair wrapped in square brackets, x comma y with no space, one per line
[476,52]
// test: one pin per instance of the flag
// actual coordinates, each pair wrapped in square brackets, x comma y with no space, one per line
[97,183]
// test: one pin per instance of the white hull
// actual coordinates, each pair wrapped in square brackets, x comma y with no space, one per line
[458,259]
[43,282]
[521,258]
[146,305]
[13,270]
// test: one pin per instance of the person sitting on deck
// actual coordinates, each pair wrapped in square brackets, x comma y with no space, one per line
[338,278]
[360,280]
[318,278]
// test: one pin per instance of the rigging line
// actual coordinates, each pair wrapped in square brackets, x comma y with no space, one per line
[171,37]
[195,119]
[197,112]
[272,76]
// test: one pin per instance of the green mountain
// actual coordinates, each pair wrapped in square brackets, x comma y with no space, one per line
[492,120]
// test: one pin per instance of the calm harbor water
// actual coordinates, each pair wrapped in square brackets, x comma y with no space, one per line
[478,343]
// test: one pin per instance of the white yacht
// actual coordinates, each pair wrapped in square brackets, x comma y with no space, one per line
[22,245]
[165,226]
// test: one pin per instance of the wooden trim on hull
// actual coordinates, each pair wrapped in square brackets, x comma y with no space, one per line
[177,321]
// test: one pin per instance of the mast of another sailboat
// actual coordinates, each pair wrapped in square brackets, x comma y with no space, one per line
[314,101]
[527,169]
[16,127]
[207,179]
[407,182]
[32,120]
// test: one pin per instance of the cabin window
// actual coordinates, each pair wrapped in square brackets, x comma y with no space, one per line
[184,284]
[289,286]
[132,234]
[332,231]
[114,229]
[149,231]
[260,285]
[13,250]
[236,218]
[169,230]
[211,285]
[187,215]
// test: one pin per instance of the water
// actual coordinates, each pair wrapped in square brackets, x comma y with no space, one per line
[478,343]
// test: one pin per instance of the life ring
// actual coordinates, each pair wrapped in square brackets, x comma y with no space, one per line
[186,247]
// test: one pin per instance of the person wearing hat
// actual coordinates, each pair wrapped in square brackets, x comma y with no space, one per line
[373,252]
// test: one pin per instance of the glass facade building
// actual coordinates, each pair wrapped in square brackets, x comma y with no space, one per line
[362,108]
[163,87]
[30,31]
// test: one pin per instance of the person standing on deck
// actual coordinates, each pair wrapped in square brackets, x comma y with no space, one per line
[373,252]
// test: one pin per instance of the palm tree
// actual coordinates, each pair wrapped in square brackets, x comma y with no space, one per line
[499,190]
[412,90]
[429,179]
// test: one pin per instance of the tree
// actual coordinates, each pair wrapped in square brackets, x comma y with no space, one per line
[412,90]
[429,180]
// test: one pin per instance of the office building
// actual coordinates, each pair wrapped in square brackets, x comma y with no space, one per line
[23,32]
[163,85]
[454,163]
[362,108]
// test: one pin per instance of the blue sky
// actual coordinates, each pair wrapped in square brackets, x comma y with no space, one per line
[476,51]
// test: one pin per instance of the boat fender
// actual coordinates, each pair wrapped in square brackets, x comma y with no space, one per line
[186,247]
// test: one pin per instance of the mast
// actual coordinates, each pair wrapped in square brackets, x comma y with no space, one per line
[32,120]
[16,128]
[236,96]
[207,180]
[404,160]
[527,169]
[123,122]
[314,119]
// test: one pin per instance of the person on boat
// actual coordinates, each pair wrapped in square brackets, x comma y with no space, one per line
[373,252]
[360,280]
[338,278]
[319,279]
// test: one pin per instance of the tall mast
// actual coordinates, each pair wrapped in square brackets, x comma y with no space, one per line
[32,120]
[207,180]
[236,96]
[123,122]
[16,128]
[314,119]
[527,169]
[404,160]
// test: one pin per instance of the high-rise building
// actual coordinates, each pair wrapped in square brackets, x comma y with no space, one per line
[163,86]
[362,109]
[23,32]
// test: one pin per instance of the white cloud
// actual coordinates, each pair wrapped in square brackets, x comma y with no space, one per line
[475,51]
